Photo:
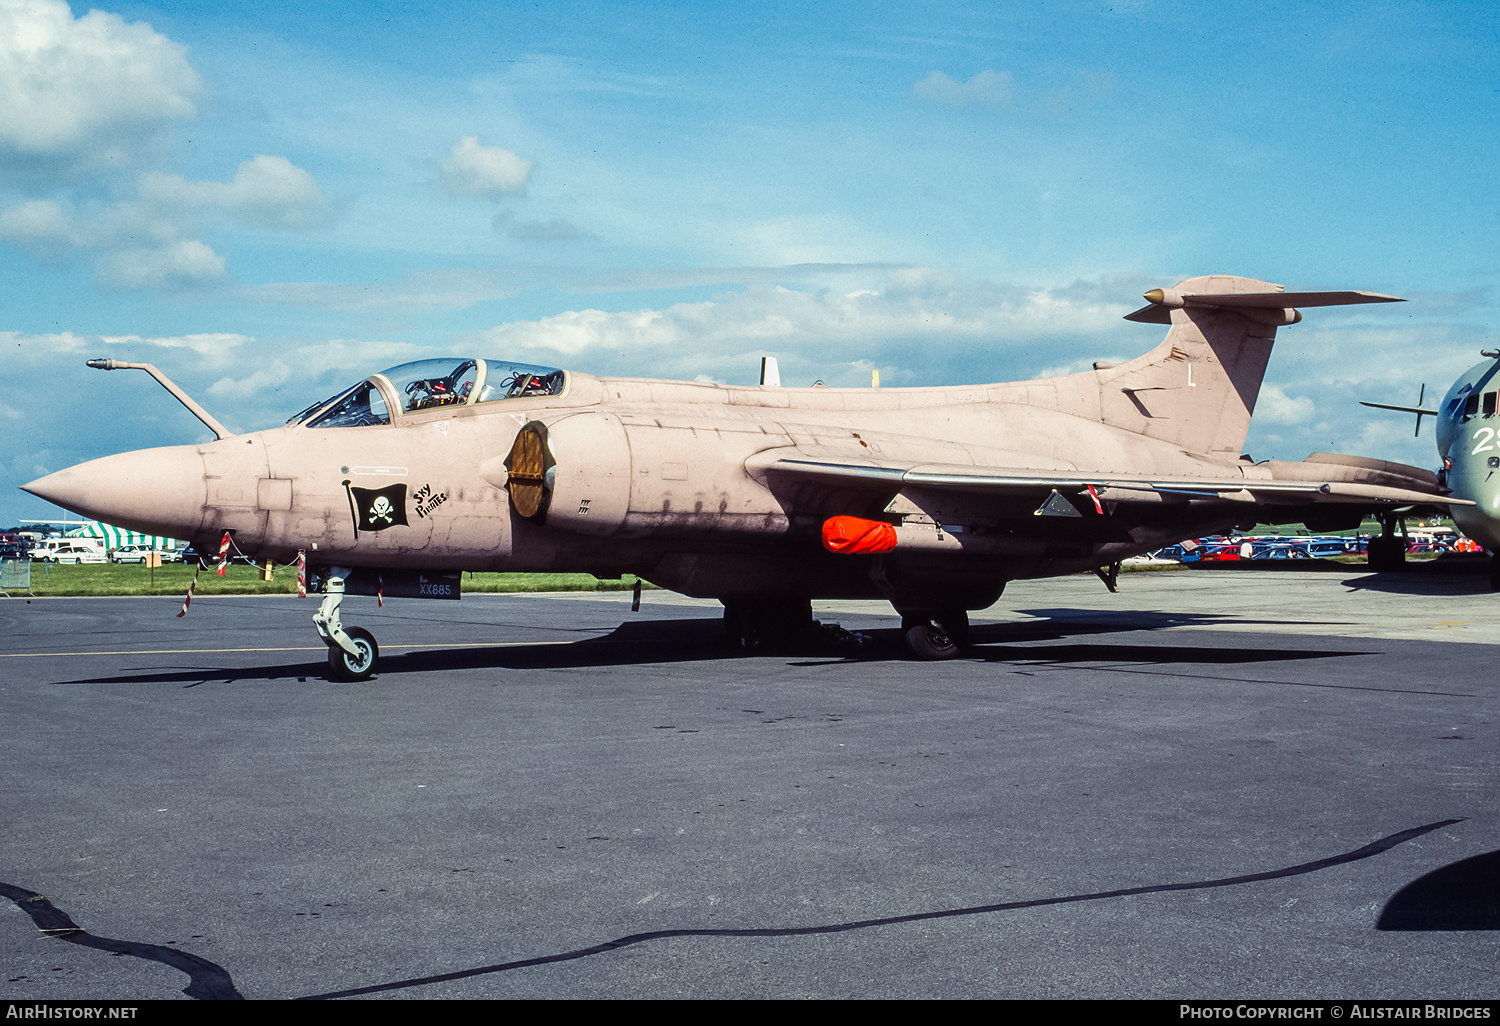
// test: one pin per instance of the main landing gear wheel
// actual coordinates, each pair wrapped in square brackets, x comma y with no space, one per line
[937,635]
[768,625]
[345,666]
[1495,573]
[1386,553]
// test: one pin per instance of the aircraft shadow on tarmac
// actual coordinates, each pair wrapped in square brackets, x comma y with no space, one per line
[700,640]
[206,980]
[1446,575]
[1462,896]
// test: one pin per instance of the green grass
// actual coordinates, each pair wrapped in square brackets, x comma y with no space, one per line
[172,579]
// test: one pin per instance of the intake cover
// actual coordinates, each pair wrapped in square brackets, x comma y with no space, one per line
[573,474]
[527,465]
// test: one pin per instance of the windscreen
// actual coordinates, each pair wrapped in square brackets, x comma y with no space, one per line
[361,406]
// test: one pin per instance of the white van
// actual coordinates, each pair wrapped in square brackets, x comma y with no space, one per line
[70,550]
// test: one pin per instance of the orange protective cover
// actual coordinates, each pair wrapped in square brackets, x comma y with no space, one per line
[857,536]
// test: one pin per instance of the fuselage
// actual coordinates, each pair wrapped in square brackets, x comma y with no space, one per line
[650,477]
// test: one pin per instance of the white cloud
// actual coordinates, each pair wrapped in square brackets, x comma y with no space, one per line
[27,348]
[80,100]
[51,230]
[146,242]
[210,345]
[1345,356]
[918,325]
[87,90]
[40,226]
[271,192]
[988,88]
[272,375]
[168,268]
[1274,406]
[216,347]
[915,304]
[474,170]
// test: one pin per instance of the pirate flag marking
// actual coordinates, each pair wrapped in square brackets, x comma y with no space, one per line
[375,509]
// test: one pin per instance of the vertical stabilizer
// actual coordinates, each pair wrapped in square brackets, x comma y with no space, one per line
[1198,388]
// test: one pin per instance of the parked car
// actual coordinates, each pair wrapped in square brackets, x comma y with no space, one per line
[1326,548]
[1218,550]
[130,554]
[73,552]
[1268,549]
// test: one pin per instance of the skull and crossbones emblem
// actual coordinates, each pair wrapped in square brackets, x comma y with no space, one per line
[381,510]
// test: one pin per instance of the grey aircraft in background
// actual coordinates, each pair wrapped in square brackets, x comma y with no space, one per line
[1468,442]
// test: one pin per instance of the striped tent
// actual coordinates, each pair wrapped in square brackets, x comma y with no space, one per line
[116,537]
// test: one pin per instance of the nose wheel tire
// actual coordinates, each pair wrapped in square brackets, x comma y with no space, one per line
[346,667]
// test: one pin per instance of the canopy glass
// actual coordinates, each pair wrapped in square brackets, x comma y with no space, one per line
[432,384]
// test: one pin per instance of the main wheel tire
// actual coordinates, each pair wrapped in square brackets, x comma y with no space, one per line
[927,638]
[768,625]
[1495,573]
[345,667]
[1385,553]
[955,624]
[737,632]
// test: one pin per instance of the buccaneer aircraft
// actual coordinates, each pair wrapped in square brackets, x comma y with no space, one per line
[763,497]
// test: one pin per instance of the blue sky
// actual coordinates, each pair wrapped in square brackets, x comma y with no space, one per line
[270,201]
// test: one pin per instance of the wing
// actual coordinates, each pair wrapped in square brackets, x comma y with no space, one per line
[1401,409]
[1313,483]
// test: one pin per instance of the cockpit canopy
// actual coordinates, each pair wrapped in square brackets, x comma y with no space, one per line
[429,385]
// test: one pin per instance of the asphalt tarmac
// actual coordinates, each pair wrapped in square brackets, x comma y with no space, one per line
[1215,784]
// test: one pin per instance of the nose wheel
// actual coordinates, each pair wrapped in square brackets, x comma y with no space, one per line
[356,665]
[352,652]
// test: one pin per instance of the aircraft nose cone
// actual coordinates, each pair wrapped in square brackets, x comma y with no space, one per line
[158,491]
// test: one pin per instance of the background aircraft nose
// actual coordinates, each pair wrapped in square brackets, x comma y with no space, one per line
[158,491]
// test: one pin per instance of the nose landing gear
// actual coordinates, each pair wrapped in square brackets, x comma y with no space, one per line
[352,652]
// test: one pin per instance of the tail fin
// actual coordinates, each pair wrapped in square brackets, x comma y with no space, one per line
[1198,388]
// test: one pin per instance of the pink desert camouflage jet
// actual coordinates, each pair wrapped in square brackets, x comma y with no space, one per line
[763,497]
